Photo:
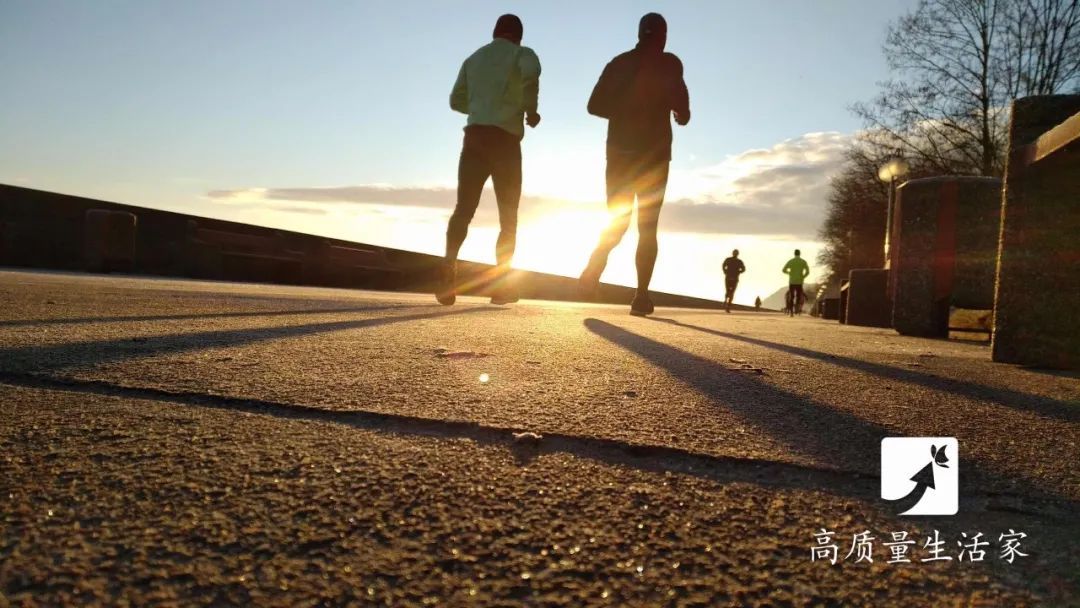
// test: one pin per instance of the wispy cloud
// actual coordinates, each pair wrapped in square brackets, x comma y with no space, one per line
[365,194]
[777,191]
[377,198]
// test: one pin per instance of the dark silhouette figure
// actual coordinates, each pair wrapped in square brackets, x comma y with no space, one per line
[733,267]
[497,85]
[757,303]
[797,269]
[637,93]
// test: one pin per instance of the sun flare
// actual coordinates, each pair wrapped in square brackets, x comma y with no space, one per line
[560,243]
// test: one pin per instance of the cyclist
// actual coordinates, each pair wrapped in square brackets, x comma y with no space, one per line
[797,270]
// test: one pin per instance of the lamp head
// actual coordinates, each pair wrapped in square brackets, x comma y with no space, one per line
[895,168]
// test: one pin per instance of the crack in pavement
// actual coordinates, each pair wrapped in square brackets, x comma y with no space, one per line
[645,457]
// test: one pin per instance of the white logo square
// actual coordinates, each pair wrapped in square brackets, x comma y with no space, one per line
[921,475]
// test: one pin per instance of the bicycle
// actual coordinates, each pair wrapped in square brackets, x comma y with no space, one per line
[794,307]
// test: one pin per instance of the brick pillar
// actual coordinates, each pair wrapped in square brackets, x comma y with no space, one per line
[868,297]
[944,251]
[1037,291]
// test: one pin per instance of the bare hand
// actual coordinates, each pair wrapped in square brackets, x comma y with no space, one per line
[532,119]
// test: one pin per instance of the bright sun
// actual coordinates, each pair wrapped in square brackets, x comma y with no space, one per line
[559,243]
[573,175]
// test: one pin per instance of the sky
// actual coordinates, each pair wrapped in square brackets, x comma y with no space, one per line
[332,118]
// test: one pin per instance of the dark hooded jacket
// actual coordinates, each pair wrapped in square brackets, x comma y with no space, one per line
[637,92]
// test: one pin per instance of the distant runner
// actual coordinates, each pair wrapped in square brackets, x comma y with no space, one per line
[733,267]
[797,270]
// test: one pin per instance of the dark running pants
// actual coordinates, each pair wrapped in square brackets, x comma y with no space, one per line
[487,151]
[628,175]
[731,284]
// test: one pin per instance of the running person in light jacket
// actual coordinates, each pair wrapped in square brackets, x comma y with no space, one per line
[497,87]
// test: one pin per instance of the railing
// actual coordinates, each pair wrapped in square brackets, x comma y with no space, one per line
[1053,141]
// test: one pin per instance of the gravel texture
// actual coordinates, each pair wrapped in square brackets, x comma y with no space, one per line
[212,443]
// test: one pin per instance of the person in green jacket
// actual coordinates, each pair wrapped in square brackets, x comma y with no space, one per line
[797,270]
[497,86]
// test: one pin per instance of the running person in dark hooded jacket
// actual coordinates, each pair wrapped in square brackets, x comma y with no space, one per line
[733,268]
[637,93]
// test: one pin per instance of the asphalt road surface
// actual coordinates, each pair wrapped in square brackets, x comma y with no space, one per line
[182,442]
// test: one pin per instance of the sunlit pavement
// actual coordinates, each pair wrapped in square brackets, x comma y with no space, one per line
[180,441]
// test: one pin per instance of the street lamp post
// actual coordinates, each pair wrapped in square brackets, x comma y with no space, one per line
[891,172]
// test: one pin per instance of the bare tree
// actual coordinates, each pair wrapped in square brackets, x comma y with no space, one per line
[1039,52]
[957,64]
[854,223]
[854,227]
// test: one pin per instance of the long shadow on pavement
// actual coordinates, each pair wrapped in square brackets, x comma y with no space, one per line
[193,316]
[1042,406]
[698,372]
[56,357]
[827,435]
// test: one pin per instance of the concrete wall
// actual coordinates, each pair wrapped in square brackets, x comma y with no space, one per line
[41,229]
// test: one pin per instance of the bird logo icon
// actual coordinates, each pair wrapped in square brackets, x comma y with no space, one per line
[940,458]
